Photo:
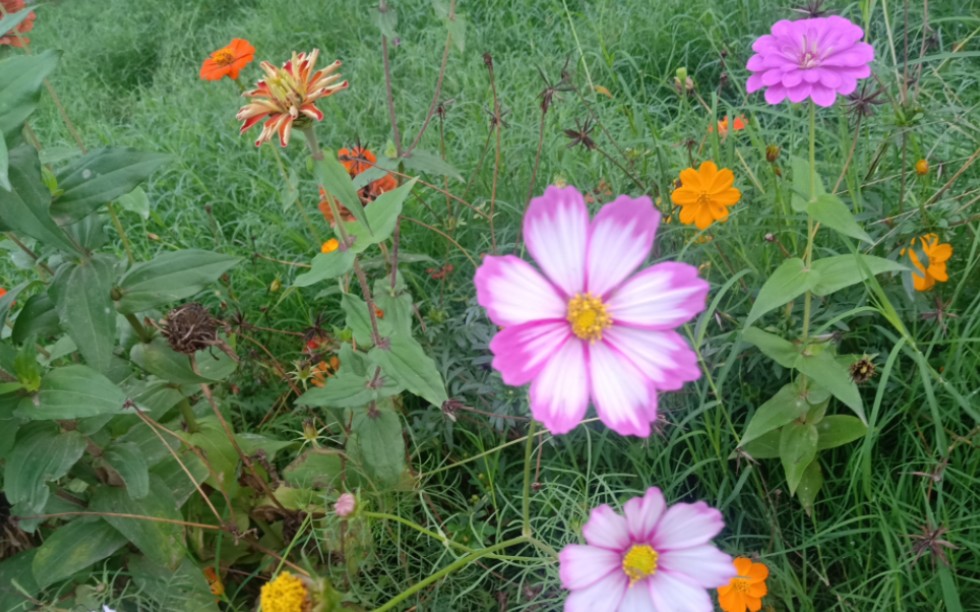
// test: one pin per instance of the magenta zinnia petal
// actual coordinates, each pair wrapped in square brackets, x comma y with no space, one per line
[816,58]
[585,330]
[626,568]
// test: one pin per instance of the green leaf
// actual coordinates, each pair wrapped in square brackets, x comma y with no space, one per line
[21,79]
[4,165]
[839,429]
[251,443]
[423,161]
[833,213]
[170,277]
[784,407]
[221,456]
[41,453]
[834,377]
[136,201]
[161,542]
[396,303]
[840,271]
[801,183]
[72,548]
[316,468]
[765,446]
[772,346]
[457,29]
[84,305]
[382,217]
[183,588]
[376,438]
[100,177]
[797,449]
[326,266]
[128,461]
[156,357]
[359,320]
[25,210]
[349,390]
[809,486]
[789,281]
[74,392]
[16,570]
[335,181]
[386,19]
[406,362]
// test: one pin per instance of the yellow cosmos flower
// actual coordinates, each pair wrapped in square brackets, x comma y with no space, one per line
[746,590]
[933,270]
[285,593]
[705,195]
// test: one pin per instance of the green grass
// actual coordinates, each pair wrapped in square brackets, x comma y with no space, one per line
[129,78]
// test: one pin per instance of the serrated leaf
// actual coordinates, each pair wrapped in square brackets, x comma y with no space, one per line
[784,407]
[21,79]
[809,486]
[326,266]
[73,392]
[772,346]
[377,438]
[41,453]
[84,305]
[72,548]
[349,390]
[25,209]
[830,211]
[840,271]
[382,217]
[797,449]
[423,161]
[316,468]
[406,362]
[128,461]
[789,281]
[160,541]
[839,429]
[170,277]
[359,320]
[834,377]
[100,177]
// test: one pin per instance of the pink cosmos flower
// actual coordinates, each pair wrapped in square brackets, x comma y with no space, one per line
[587,329]
[811,58]
[655,559]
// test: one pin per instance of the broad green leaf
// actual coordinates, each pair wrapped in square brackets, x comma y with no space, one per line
[789,281]
[170,277]
[174,476]
[834,377]
[335,181]
[801,183]
[840,271]
[128,461]
[21,79]
[184,588]
[423,161]
[376,438]
[797,449]
[161,542]
[100,177]
[73,392]
[359,320]
[252,443]
[41,453]
[326,266]
[765,446]
[26,368]
[784,407]
[316,468]
[8,299]
[457,29]
[221,456]
[136,201]
[406,362]
[25,209]
[4,165]
[396,304]
[156,357]
[349,390]
[382,217]
[386,19]
[809,486]
[772,346]
[16,570]
[84,305]
[833,213]
[839,429]
[74,547]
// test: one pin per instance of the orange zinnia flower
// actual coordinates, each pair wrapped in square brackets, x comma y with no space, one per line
[745,590]
[705,195]
[288,95]
[327,213]
[738,125]
[934,268]
[324,370]
[15,37]
[227,62]
[356,160]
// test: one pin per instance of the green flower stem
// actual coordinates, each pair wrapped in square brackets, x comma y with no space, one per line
[188,413]
[413,525]
[526,500]
[142,332]
[449,569]
[122,234]
[811,228]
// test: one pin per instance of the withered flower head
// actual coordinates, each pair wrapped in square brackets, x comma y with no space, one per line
[190,328]
[861,103]
[863,370]
[811,8]
[581,135]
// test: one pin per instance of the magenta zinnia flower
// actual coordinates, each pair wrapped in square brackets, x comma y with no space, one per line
[810,58]
[653,558]
[586,328]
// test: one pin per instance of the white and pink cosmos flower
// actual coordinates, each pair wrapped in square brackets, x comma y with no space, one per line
[652,559]
[588,328]
[810,58]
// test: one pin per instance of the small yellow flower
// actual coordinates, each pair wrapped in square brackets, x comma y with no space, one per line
[285,593]
[330,246]
[922,167]
[705,195]
[934,268]
[746,590]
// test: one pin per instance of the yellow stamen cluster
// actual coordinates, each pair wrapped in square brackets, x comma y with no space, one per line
[640,562]
[285,593]
[588,316]
[740,584]
[224,57]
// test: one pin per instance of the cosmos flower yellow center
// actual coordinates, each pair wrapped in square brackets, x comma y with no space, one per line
[740,584]
[588,316]
[224,57]
[640,562]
